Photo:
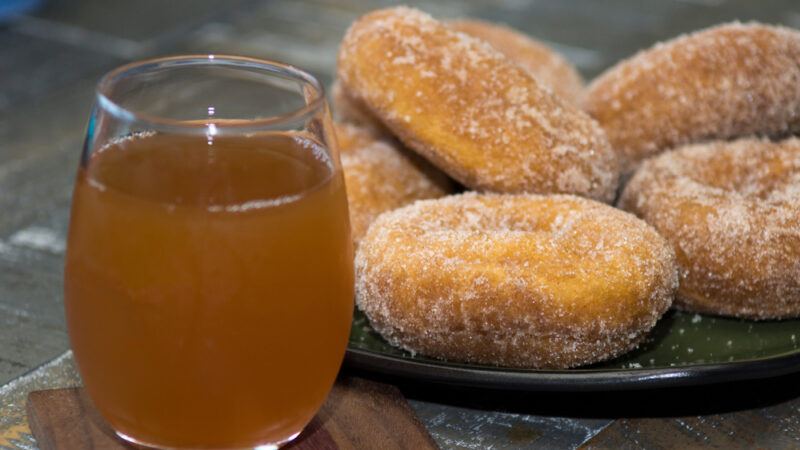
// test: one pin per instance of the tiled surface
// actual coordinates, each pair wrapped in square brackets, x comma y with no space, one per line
[50,60]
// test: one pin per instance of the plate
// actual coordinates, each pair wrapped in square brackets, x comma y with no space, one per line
[683,349]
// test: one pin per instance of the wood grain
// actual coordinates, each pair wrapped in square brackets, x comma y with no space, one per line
[358,414]
[64,419]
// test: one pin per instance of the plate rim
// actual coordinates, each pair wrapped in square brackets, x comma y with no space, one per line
[575,380]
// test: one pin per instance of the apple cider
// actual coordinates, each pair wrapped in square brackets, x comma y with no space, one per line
[209,285]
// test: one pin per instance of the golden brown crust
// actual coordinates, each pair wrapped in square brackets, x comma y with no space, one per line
[724,82]
[351,138]
[470,111]
[548,67]
[380,177]
[349,110]
[514,280]
[731,210]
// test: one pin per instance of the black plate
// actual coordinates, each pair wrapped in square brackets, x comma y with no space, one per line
[684,349]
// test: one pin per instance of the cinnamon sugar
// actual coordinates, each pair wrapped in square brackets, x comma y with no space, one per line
[517,280]
[551,70]
[732,212]
[480,118]
[724,82]
[380,177]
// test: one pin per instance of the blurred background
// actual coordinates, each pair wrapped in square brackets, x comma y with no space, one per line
[53,52]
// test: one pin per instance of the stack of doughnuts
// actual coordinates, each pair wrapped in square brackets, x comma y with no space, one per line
[727,202]
[532,267]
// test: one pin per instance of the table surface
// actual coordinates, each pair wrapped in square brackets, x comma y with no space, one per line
[51,59]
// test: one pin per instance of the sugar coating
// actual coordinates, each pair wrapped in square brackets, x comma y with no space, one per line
[728,81]
[731,210]
[549,68]
[470,110]
[380,177]
[514,280]
[348,110]
[351,137]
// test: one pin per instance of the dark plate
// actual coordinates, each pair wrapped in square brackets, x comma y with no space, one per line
[683,349]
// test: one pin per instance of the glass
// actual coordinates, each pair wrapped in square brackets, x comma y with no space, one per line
[209,269]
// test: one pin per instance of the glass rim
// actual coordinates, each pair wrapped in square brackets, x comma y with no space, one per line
[106,83]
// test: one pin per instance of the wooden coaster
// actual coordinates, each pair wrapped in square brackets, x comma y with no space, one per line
[358,414]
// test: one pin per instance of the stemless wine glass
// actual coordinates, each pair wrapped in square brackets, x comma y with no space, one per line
[209,273]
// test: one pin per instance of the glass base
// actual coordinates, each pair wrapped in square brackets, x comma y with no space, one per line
[268,446]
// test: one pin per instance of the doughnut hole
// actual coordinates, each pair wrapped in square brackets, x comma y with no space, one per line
[523,281]
[731,211]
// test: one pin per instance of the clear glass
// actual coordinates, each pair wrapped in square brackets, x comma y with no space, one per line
[209,269]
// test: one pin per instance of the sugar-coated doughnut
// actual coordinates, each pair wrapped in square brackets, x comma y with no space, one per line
[352,138]
[380,177]
[349,110]
[514,280]
[471,111]
[724,82]
[548,67]
[731,210]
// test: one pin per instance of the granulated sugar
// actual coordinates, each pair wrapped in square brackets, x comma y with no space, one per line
[381,177]
[732,212]
[724,82]
[476,114]
[525,281]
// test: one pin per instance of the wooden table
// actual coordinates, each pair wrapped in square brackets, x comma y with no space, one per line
[50,61]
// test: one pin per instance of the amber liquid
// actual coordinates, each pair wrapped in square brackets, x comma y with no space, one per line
[209,286]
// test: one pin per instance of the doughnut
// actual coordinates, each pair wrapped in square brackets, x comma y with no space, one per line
[348,110]
[731,211]
[351,138]
[523,280]
[729,81]
[380,177]
[471,111]
[545,65]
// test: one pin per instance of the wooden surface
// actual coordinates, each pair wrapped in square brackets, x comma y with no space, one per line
[64,419]
[51,59]
[359,414]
